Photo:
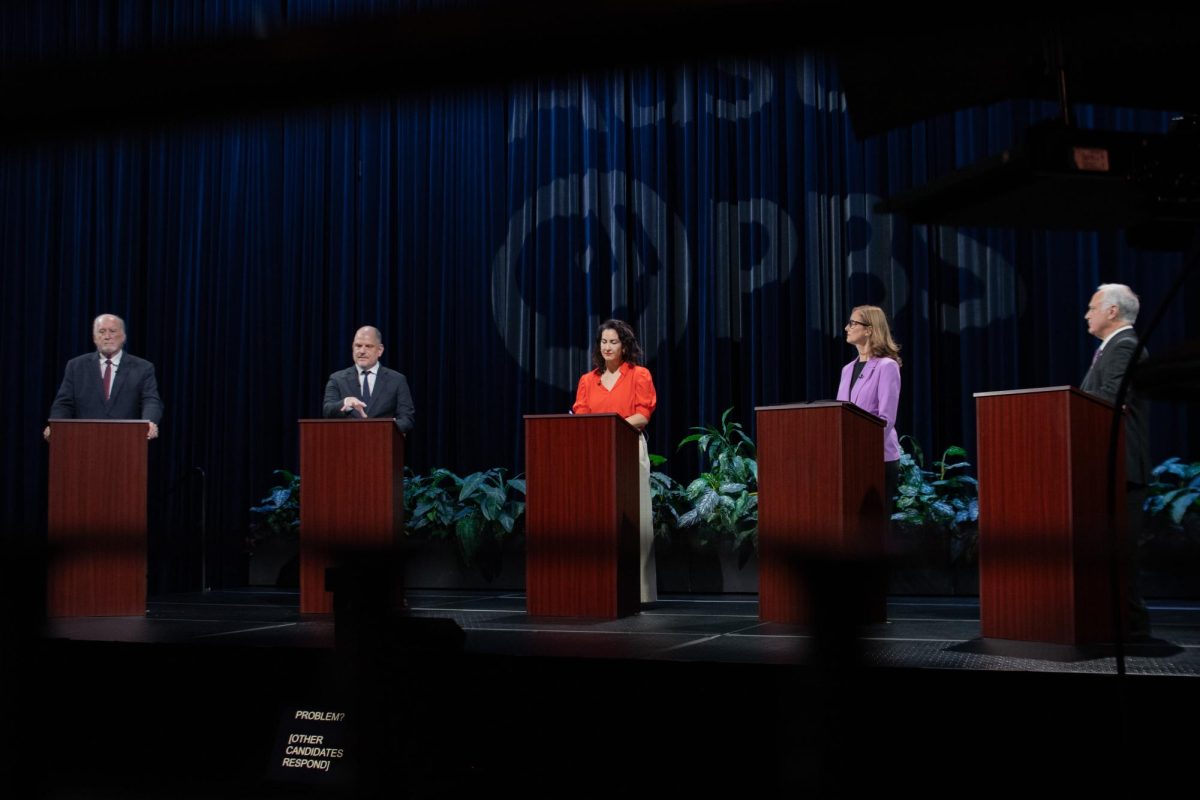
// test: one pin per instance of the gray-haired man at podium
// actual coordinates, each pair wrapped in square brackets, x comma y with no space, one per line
[1110,316]
[109,383]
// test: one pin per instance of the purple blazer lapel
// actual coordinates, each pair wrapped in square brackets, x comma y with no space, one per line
[868,370]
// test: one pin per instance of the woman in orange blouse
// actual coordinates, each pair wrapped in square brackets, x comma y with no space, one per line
[619,384]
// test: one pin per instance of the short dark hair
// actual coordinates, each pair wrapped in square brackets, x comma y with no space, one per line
[631,350]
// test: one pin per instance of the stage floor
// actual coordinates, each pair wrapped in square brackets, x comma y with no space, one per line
[933,633]
[690,698]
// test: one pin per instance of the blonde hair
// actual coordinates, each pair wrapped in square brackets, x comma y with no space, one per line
[880,333]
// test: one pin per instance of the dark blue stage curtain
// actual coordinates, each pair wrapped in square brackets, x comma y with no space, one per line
[725,208]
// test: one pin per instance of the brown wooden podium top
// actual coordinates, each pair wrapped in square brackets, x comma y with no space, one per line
[565,416]
[867,415]
[528,417]
[99,421]
[388,420]
[1046,390]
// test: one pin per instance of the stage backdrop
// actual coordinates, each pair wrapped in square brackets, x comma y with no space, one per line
[724,208]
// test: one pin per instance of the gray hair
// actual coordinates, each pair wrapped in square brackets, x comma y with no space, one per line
[1121,296]
[96,321]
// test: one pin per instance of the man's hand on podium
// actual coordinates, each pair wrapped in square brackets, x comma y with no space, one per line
[354,404]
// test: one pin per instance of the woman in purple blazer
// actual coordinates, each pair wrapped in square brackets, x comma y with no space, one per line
[872,382]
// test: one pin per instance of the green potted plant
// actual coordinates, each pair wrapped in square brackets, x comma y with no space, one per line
[491,511]
[273,539]
[668,502]
[480,514]
[1170,534]
[935,524]
[722,512]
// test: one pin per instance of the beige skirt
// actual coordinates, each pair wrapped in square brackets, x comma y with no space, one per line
[648,571]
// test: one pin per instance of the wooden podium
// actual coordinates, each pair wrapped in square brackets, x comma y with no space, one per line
[351,497]
[96,528]
[581,516]
[1045,555]
[821,505]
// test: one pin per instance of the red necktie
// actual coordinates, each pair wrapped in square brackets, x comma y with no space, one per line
[107,377]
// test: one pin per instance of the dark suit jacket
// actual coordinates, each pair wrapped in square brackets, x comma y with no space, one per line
[133,394]
[390,397]
[1103,379]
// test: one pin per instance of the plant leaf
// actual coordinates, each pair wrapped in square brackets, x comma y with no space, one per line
[467,529]
[1181,504]
[1171,467]
[470,484]
[707,503]
[944,509]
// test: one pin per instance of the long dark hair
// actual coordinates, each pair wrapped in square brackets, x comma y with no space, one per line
[631,351]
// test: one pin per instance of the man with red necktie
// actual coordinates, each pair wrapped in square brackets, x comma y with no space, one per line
[109,383]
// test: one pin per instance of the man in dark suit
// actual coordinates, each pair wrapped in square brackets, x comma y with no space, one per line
[1110,316]
[369,389]
[110,383]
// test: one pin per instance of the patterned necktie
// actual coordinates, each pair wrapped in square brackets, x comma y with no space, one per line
[366,386]
[107,378]
[1096,355]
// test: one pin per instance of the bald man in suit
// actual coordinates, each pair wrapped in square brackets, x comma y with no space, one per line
[368,389]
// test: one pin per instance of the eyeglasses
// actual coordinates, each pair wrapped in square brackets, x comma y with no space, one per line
[854,322]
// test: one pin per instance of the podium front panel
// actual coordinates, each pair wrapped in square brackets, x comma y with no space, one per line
[820,487]
[96,518]
[581,516]
[351,498]
[1044,538]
